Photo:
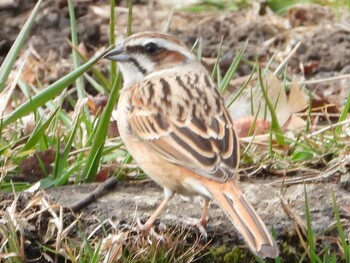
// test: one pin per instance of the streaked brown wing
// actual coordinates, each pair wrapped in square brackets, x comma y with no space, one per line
[184,120]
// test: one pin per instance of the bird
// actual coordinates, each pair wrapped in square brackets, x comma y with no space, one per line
[174,123]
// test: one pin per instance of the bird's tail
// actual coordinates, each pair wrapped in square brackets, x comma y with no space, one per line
[246,220]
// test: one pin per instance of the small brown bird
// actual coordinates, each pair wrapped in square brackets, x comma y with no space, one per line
[174,123]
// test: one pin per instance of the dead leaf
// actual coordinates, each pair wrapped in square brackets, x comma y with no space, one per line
[346,209]
[113,244]
[31,168]
[286,107]
[113,130]
[104,174]
[243,126]
[309,14]
[97,103]
[83,50]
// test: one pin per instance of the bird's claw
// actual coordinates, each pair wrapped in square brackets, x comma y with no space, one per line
[148,231]
[200,226]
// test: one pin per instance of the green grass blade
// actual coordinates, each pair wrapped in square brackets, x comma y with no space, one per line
[275,127]
[129,25]
[89,173]
[97,73]
[68,172]
[24,87]
[241,89]
[62,159]
[326,256]
[11,57]
[343,242]
[113,68]
[49,93]
[274,235]
[259,259]
[100,89]
[87,145]
[251,128]
[13,243]
[232,69]
[92,163]
[42,167]
[344,113]
[38,132]
[96,255]
[310,235]
[217,60]
[76,62]
[194,46]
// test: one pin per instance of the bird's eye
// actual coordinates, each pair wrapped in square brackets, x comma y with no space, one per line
[151,48]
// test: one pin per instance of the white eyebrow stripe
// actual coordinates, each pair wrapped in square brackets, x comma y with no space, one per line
[162,43]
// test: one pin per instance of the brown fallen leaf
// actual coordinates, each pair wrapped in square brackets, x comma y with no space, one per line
[113,130]
[112,245]
[31,166]
[309,14]
[286,107]
[105,173]
[346,209]
[243,126]
[97,103]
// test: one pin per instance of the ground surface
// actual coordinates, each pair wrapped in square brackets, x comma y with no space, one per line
[324,52]
[140,199]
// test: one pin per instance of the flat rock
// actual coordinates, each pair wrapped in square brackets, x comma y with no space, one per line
[131,200]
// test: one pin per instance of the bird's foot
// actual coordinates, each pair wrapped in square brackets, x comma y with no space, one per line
[148,231]
[200,224]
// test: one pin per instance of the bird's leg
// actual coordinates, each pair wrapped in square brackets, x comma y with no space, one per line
[203,219]
[201,223]
[147,227]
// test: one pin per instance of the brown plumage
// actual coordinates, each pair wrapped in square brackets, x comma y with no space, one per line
[174,123]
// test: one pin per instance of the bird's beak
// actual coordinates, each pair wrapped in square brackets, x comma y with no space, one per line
[118,54]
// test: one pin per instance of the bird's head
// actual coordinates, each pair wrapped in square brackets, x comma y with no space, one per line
[143,54]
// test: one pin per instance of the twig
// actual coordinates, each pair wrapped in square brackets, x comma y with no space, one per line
[316,178]
[341,123]
[284,62]
[101,190]
[316,81]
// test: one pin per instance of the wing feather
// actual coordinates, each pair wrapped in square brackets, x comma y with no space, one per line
[193,129]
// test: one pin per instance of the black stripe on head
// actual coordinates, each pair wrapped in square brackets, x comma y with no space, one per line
[148,49]
[138,66]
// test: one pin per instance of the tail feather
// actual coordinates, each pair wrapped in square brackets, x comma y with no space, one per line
[246,220]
